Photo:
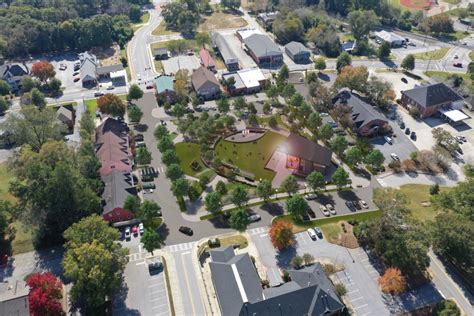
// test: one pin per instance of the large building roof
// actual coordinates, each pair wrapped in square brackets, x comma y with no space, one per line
[206,58]
[296,48]
[164,83]
[226,52]
[261,45]
[389,36]
[118,186]
[432,95]
[298,146]
[239,291]
[117,127]
[202,76]
[105,70]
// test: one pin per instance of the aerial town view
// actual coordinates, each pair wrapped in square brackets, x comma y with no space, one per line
[237,157]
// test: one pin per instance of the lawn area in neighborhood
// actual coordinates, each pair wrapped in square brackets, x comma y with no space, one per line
[471,55]
[181,45]
[187,153]
[226,241]
[5,177]
[419,193]
[433,55]
[220,20]
[444,76]
[253,156]
[162,30]
[91,104]
[23,241]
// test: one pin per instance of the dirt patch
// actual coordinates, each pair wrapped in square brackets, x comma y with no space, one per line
[107,56]
[346,236]
[416,4]
[219,20]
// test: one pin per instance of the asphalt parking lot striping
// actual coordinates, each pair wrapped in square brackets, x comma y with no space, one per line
[358,302]
[157,296]
[258,230]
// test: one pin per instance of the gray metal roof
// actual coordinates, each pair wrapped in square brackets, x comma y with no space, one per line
[223,254]
[108,69]
[432,95]
[296,48]
[262,46]
[226,52]
[118,186]
[299,146]
[239,84]
[88,70]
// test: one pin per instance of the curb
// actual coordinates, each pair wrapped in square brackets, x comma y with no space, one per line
[174,284]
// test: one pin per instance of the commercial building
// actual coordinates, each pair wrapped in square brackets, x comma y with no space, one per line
[393,39]
[249,80]
[299,53]
[230,59]
[239,291]
[263,50]
[161,53]
[164,86]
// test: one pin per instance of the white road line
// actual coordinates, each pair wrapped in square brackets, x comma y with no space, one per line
[155,307]
[150,286]
[366,259]
[358,307]
[374,271]
[263,235]
[351,292]
[158,298]
[158,291]
[356,299]
[366,314]
[185,253]
[140,263]
[368,266]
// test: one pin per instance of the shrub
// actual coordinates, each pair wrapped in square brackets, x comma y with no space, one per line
[340,289]
[297,262]
[434,189]
[195,166]
[329,268]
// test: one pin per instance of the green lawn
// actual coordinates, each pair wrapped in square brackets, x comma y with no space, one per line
[226,241]
[471,55]
[91,104]
[327,223]
[251,157]
[434,54]
[5,177]
[444,76]
[162,30]
[187,152]
[185,44]
[418,193]
[452,1]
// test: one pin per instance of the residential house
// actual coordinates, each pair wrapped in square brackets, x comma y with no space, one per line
[263,50]
[304,156]
[114,155]
[165,89]
[161,53]
[366,120]
[267,18]
[205,84]
[230,59]
[14,298]
[118,186]
[431,99]
[393,39]
[66,116]
[119,128]
[299,53]
[239,291]
[12,74]
[207,60]
[349,46]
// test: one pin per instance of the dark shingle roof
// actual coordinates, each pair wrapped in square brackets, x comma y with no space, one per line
[110,125]
[201,76]
[432,95]
[118,186]
[296,145]
[296,48]
[262,46]
[108,69]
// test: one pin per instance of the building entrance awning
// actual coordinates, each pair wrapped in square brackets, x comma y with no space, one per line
[454,115]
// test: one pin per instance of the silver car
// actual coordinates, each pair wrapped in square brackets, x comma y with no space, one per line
[324,210]
[331,209]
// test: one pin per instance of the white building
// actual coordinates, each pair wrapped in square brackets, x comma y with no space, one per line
[393,39]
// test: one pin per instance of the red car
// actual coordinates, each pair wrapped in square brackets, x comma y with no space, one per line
[149,87]
[135,230]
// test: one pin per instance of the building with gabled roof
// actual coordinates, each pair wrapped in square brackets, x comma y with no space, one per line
[207,60]
[230,59]
[118,186]
[205,84]
[164,86]
[299,53]
[263,50]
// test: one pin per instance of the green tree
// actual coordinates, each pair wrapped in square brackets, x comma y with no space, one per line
[326,132]
[339,145]
[111,104]
[384,50]
[202,39]
[297,206]
[408,63]
[3,105]
[134,13]
[223,105]
[132,203]
[296,100]
[288,28]
[314,121]
[340,178]
[91,228]
[375,158]
[253,119]
[165,144]
[179,110]
[343,60]
[169,157]
[5,215]
[134,92]
[288,91]
[316,181]
[180,187]
[37,98]
[239,195]
[221,188]
[290,185]
[135,114]
[272,121]
[4,87]
[174,172]
[213,202]
[354,156]
[149,210]
[362,22]
[308,258]
[239,220]
[283,74]
[143,156]
[95,271]
[264,190]
[320,64]
[27,84]
[151,240]
[297,262]
[239,103]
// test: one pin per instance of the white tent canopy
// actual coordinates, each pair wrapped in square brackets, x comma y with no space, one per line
[454,115]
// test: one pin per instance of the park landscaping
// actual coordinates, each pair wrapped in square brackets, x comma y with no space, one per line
[250,157]
[419,204]
[189,155]
[227,241]
[433,55]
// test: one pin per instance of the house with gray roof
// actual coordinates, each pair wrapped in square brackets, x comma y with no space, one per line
[299,53]
[205,84]
[239,290]
[366,120]
[118,186]
[66,116]
[230,59]
[14,298]
[87,73]
[430,99]
[263,50]
[12,74]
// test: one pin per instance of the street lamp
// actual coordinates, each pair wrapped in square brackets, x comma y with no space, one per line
[276,193]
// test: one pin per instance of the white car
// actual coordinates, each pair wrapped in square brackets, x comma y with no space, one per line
[254,218]
[394,156]
[310,196]
[312,234]
[331,209]
[148,191]
[110,88]
[324,210]
[141,228]
[364,204]
[388,140]
[128,235]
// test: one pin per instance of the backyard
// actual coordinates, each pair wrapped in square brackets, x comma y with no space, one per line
[252,156]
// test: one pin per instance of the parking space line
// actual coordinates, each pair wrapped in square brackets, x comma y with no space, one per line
[157,306]
[365,259]
[351,292]
[356,299]
[158,284]
[366,314]
[158,291]
[263,235]
[359,307]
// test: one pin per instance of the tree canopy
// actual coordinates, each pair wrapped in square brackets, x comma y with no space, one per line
[281,234]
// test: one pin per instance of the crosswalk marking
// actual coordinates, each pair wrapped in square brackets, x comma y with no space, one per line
[181,247]
[382,183]
[256,231]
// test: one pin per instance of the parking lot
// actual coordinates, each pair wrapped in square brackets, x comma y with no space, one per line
[172,65]
[401,144]
[66,76]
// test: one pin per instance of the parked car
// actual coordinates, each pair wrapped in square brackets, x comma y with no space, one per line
[214,243]
[98,94]
[140,144]
[413,135]
[305,217]
[135,230]
[149,87]
[318,232]
[363,204]
[407,131]
[324,210]
[154,265]
[310,196]
[76,79]
[404,80]
[394,156]
[388,139]
[402,125]
[331,209]
[75,73]
[62,66]
[127,233]
[139,138]
[311,213]
[148,191]
[312,234]
[254,218]
[110,88]
[186,230]
[141,228]
[357,205]
[458,65]
[77,65]
[350,206]
[147,186]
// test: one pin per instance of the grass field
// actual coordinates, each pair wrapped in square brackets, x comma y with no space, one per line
[471,55]
[220,20]
[226,241]
[444,76]
[185,44]
[418,193]
[5,177]
[161,30]
[91,104]
[433,55]
[187,152]
[251,157]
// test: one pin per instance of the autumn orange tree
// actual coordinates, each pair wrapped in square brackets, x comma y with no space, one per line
[43,70]
[393,282]
[111,104]
[354,78]
[281,234]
